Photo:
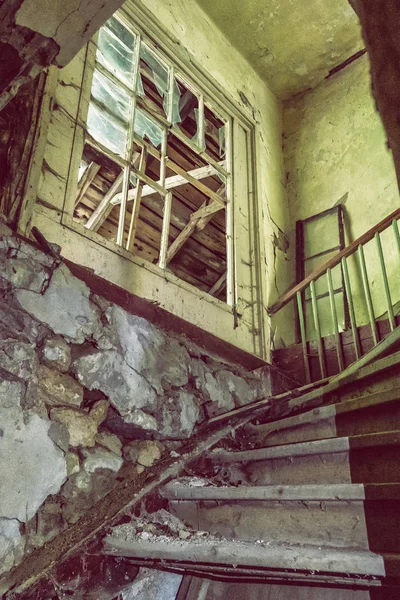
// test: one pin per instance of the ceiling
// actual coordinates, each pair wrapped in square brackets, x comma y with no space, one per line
[292,44]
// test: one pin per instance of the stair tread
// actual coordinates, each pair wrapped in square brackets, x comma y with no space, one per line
[329,411]
[209,549]
[311,447]
[177,490]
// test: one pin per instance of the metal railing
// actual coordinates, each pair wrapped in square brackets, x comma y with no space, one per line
[340,260]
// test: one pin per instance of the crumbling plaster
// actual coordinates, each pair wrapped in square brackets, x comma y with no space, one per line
[336,152]
[292,44]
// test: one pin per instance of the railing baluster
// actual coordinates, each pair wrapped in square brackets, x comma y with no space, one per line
[339,349]
[349,298]
[385,282]
[317,329]
[395,226]
[367,294]
[303,336]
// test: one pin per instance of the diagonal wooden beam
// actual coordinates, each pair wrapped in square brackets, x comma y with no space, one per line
[171,182]
[204,211]
[128,492]
[218,285]
[105,207]
[86,180]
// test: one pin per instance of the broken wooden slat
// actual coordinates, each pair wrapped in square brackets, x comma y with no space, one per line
[178,242]
[86,180]
[162,262]
[218,285]
[103,210]
[270,555]
[136,205]
[171,182]
[281,493]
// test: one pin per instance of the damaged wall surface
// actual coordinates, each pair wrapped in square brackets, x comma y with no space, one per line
[35,34]
[86,389]
[336,153]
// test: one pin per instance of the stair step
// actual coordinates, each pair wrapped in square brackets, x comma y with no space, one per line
[301,493]
[266,555]
[369,458]
[310,448]
[332,420]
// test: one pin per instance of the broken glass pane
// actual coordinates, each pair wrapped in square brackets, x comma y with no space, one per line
[146,127]
[107,130]
[187,109]
[214,129]
[115,49]
[110,96]
[154,79]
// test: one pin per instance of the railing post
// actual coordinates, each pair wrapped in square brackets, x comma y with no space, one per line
[318,330]
[303,336]
[335,324]
[352,315]
[395,226]
[367,294]
[385,282]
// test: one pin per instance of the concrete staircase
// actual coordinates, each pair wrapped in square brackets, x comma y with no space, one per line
[308,507]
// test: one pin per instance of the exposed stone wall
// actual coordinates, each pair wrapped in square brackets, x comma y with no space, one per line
[85,389]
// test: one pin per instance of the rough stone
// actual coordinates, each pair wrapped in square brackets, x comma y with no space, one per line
[65,306]
[153,585]
[82,426]
[83,490]
[147,350]
[107,371]
[11,543]
[109,441]
[57,353]
[17,324]
[178,415]
[221,395]
[241,391]
[47,524]
[24,266]
[59,434]
[143,452]
[99,458]
[58,389]
[18,358]
[35,466]
[72,463]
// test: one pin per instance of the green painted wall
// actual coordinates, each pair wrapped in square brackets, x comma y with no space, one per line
[335,151]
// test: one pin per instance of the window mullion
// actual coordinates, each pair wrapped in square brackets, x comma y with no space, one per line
[131,131]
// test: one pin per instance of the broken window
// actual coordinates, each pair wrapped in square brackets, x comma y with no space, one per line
[154,172]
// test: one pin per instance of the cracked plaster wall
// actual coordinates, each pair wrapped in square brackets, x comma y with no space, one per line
[336,152]
[87,389]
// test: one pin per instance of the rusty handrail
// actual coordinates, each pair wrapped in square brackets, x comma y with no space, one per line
[333,262]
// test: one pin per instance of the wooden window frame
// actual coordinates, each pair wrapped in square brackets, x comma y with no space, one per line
[200,217]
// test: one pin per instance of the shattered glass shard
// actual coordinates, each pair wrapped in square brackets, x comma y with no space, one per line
[145,126]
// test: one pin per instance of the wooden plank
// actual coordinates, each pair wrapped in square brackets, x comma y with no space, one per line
[335,260]
[278,556]
[86,180]
[197,184]
[218,285]
[280,493]
[162,263]
[171,182]
[103,210]
[136,205]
